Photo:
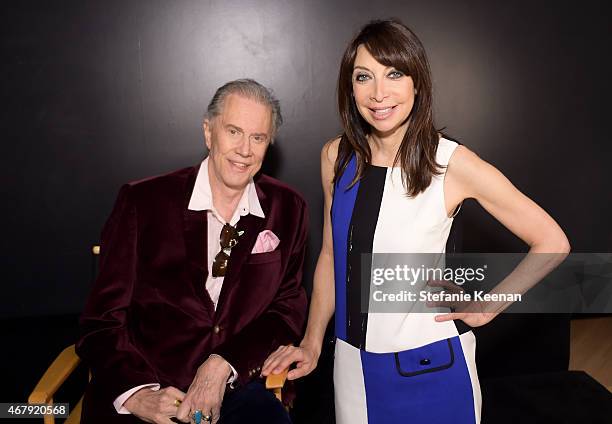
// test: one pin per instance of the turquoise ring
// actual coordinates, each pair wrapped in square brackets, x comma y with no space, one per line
[197,416]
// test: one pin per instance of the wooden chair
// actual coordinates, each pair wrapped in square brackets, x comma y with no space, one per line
[67,361]
[61,368]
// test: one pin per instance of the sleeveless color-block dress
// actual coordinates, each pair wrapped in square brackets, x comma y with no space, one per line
[396,367]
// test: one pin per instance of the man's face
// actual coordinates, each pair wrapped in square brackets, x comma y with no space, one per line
[237,140]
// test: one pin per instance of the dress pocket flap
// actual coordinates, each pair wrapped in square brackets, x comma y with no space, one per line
[433,357]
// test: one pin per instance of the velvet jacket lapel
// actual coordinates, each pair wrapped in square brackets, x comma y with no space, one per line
[196,245]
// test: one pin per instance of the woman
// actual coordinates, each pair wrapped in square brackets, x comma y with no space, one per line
[392,184]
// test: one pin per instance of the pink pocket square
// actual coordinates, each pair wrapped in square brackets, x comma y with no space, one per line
[266,242]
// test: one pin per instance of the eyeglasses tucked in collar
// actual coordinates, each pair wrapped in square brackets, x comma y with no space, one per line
[228,239]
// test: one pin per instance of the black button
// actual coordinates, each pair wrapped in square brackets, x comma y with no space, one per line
[425,361]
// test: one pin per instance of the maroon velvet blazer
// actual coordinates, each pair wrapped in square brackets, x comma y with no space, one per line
[149,318]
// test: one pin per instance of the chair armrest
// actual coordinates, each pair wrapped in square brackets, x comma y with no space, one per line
[277,381]
[55,375]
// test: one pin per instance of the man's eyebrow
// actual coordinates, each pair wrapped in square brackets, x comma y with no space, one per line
[234,127]
[237,128]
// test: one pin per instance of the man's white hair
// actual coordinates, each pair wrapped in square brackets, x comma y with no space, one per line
[250,89]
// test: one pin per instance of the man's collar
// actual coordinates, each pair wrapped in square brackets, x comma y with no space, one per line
[201,198]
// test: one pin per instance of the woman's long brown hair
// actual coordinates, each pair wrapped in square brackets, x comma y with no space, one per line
[391,43]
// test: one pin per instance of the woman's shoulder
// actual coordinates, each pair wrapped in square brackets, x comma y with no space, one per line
[464,164]
[446,149]
[464,169]
[446,144]
[329,153]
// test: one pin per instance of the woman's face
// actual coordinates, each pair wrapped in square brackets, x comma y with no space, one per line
[383,94]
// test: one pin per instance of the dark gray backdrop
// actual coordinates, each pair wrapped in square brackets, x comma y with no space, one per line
[98,93]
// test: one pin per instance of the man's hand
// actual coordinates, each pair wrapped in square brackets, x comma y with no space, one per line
[155,406]
[305,357]
[207,390]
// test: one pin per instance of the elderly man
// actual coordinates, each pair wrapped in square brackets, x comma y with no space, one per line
[200,279]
